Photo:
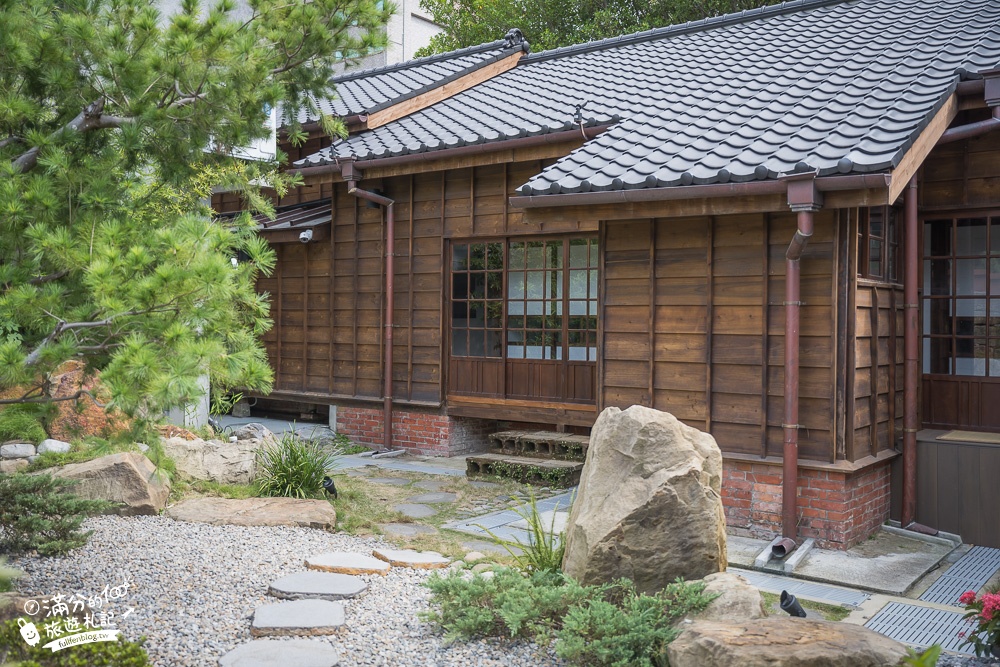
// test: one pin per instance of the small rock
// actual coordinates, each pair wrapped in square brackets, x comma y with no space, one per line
[254,431]
[10,466]
[50,445]
[17,450]
[482,567]
[473,556]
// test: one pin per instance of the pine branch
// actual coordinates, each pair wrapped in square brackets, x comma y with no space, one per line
[41,280]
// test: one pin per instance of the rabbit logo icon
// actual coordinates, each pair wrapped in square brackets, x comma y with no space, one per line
[29,632]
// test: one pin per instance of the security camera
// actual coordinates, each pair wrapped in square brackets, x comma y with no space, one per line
[306,236]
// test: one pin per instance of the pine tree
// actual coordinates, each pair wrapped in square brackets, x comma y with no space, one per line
[115,124]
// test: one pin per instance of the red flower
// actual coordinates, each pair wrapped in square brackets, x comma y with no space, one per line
[961,635]
[968,597]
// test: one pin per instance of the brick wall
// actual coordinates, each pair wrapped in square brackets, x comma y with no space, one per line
[417,432]
[837,509]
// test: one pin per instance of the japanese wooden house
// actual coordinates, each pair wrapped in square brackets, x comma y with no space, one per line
[782,226]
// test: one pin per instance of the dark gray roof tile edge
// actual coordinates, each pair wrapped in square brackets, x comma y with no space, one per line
[674,30]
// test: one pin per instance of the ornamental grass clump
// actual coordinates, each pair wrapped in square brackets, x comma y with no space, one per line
[545,547]
[984,612]
[293,468]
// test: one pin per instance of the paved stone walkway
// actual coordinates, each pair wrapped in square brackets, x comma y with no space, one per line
[509,525]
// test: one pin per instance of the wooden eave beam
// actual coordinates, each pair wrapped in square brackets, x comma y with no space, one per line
[435,95]
[922,147]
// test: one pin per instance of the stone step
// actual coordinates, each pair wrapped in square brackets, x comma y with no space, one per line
[540,472]
[421,560]
[540,444]
[344,562]
[300,617]
[275,653]
[317,586]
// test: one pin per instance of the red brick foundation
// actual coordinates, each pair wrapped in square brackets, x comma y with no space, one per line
[423,433]
[837,509]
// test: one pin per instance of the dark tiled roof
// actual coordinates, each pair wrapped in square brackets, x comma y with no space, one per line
[298,217]
[366,91]
[840,85]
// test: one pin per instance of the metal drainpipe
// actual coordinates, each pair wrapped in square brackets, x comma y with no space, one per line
[793,305]
[910,341]
[390,254]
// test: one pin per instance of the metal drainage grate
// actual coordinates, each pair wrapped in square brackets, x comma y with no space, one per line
[969,573]
[805,589]
[921,626]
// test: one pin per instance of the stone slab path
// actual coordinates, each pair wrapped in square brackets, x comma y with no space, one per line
[407,529]
[317,586]
[508,524]
[433,498]
[342,562]
[278,653]
[415,510]
[427,560]
[300,617]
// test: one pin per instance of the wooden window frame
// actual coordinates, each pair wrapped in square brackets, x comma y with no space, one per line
[890,267]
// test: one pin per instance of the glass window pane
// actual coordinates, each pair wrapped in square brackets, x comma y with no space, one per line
[515,322]
[995,276]
[553,255]
[460,257]
[494,256]
[515,285]
[593,253]
[972,278]
[970,236]
[515,257]
[875,221]
[994,325]
[874,257]
[536,285]
[477,343]
[937,316]
[493,341]
[593,308]
[459,314]
[578,253]
[494,314]
[593,284]
[970,356]
[477,257]
[578,284]
[576,308]
[514,308]
[937,238]
[458,338]
[477,285]
[494,285]
[477,313]
[970,317]
[535,345]
[535,307]
[937,277]
[995,236]
[937,355]
[554,284]
[533,322]
[460,286]
[536,258]
[995,357]
[515,351]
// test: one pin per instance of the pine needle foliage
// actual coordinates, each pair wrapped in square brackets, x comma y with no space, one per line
[116,123]
[38,512]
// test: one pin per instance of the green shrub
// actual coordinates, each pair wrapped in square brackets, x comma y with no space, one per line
[37,513]
[591,625]
[294,468]
[545,548]
[102,654]
[19,423]
[928,658]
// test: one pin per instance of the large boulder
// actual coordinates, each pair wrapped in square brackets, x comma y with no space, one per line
[782,642]
[649,506]
[736,600]
[213,460]
[127,478]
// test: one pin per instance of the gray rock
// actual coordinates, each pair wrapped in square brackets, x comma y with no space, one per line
[275,653]
[415,511]
[407,530]
[128,479]
[256,512]
[649,506]
[10,466]
[255,431]
[317,586]
[342,562]
[789,642]
[213,460]
[50,445]
[431,484]
[17,450]
[738,601]
[300,617]
[439,497]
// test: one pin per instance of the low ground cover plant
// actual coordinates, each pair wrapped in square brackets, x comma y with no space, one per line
[38,512]
[21,423]
[15,651]
[608,625]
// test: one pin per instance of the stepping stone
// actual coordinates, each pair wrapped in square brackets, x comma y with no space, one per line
[301,617]
[277,653]
[357,472]
[554,519]
[439,497]
[421,560]
[317,586]
[430,484]
[391,481]
[256,512]
[407,529]
[479,484]
[415,511]
[342,562]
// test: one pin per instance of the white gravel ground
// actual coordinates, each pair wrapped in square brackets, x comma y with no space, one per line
[194,588]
